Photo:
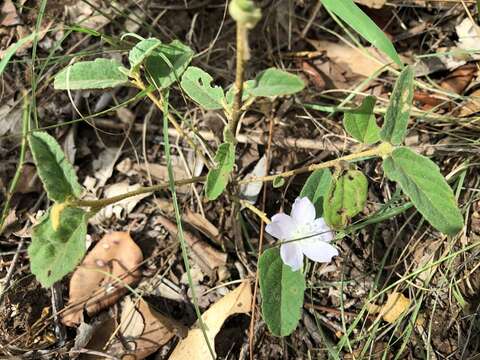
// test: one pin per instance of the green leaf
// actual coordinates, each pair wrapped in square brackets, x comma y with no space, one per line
[274,82]
[217,178]
[57,174]
[278,182]
[345,199]
[396,118]
[361,124]
[141,51]
[247,85]
[282,293]
[316,188]
[98,74]
[198,86]
[54,253]
[421,180]
[350,13]
[167,63]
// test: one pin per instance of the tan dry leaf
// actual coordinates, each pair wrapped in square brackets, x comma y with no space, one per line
[143,330]
[374,4]
[101,278]
[122,208]
[458,80]
[203,225]
[395,306]
[356,60]
[472,105]
[9,16]
[194,345]
[205,255]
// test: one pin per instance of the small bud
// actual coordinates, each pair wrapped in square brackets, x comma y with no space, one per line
[245,12]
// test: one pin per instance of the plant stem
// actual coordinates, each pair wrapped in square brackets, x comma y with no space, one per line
[158,103]
[377,151]
[242,32]
[21,161]
[98,204]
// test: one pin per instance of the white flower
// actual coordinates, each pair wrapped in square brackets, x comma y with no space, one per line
[301,224]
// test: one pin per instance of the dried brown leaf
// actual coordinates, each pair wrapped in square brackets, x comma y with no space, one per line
[102,277]
[194,345]
[205,255]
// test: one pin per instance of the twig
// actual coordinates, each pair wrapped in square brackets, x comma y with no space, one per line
[8,278]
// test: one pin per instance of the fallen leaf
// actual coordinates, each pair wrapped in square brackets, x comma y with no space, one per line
[207,257]
[459,79]
[472,105]
[356,60]
[160,172]
[251,190]
[104,165]
[122,208]
[194,345]
[395,306]
[102,277]
[469,37]
[9,16]
[203,225]
[142,330]
[374,4]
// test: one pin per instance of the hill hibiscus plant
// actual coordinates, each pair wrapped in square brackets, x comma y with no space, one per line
[334,193]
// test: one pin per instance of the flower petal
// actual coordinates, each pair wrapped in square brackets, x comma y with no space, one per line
[320,229]
[319,251]
[303,210]
[291,255]
[281,227]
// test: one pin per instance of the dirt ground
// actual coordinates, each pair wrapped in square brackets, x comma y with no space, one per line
[397,252]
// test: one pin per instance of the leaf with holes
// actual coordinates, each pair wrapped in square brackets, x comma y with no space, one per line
[55,252]
[217,178]
[167,63]
[396,118]
[316,188]
[141,51]
[421,180]
[198,86]
[345,199]
[360,123]
[282,292]
[349,12]
[98,74]
[57,174]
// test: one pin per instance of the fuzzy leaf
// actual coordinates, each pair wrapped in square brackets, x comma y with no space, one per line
[217,178]
[98,74]
[198,86]
[361,124]
[141,51]
[167,63]
[398,111]
[282,293]
[316,188]
[274,82]
[421,180]
[54,253]
[346,198]
[57,174]
[350,13]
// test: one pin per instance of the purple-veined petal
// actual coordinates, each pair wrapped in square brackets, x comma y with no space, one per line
[281,227]
[303,211]
[321,230]
[291,255]
[318,250]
